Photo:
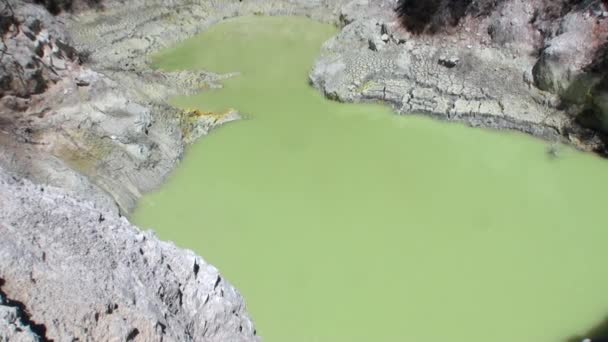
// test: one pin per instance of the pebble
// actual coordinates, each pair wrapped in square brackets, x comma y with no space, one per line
[448,62]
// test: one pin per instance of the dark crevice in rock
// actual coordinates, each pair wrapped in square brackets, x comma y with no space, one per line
[24,315]
[132,334]
[111,308]
[7,17]
[196,269]
[162,327]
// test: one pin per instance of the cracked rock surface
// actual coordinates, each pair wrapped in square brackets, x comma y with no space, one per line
[484,71]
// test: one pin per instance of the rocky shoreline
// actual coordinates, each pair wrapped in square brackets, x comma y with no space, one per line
[102,124]
[497,70]
[86,129]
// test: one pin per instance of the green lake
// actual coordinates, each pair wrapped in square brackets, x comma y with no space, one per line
[343,222]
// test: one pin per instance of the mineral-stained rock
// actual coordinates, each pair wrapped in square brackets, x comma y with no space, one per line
[71,268]
[87,274]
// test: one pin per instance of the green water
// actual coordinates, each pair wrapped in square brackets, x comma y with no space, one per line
[345,222]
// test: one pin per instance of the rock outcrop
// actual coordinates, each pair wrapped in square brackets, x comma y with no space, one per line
[86,125]
[97,119]
[66,124]
[77,272]
[508,64]
[14,322]
[35,52]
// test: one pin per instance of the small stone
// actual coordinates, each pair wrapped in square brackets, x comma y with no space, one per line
[385,37]
[449,62]
[371,45]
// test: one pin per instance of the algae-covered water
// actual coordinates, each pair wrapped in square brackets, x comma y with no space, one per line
[342,222]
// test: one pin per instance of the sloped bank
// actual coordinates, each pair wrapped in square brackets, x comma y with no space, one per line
[83,273]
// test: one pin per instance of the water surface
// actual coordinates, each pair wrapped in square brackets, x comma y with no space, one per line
[343,222]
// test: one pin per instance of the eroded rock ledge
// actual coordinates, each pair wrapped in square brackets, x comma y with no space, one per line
[507,64]
[83,273]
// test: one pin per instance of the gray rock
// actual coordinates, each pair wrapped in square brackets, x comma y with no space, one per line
[28,63]
[563,60]
[509,26]
[480,71]
[14,323]
[87,274]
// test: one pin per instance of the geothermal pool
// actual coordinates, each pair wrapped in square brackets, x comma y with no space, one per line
[343,222]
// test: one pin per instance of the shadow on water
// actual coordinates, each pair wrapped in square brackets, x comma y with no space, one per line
[599,331]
